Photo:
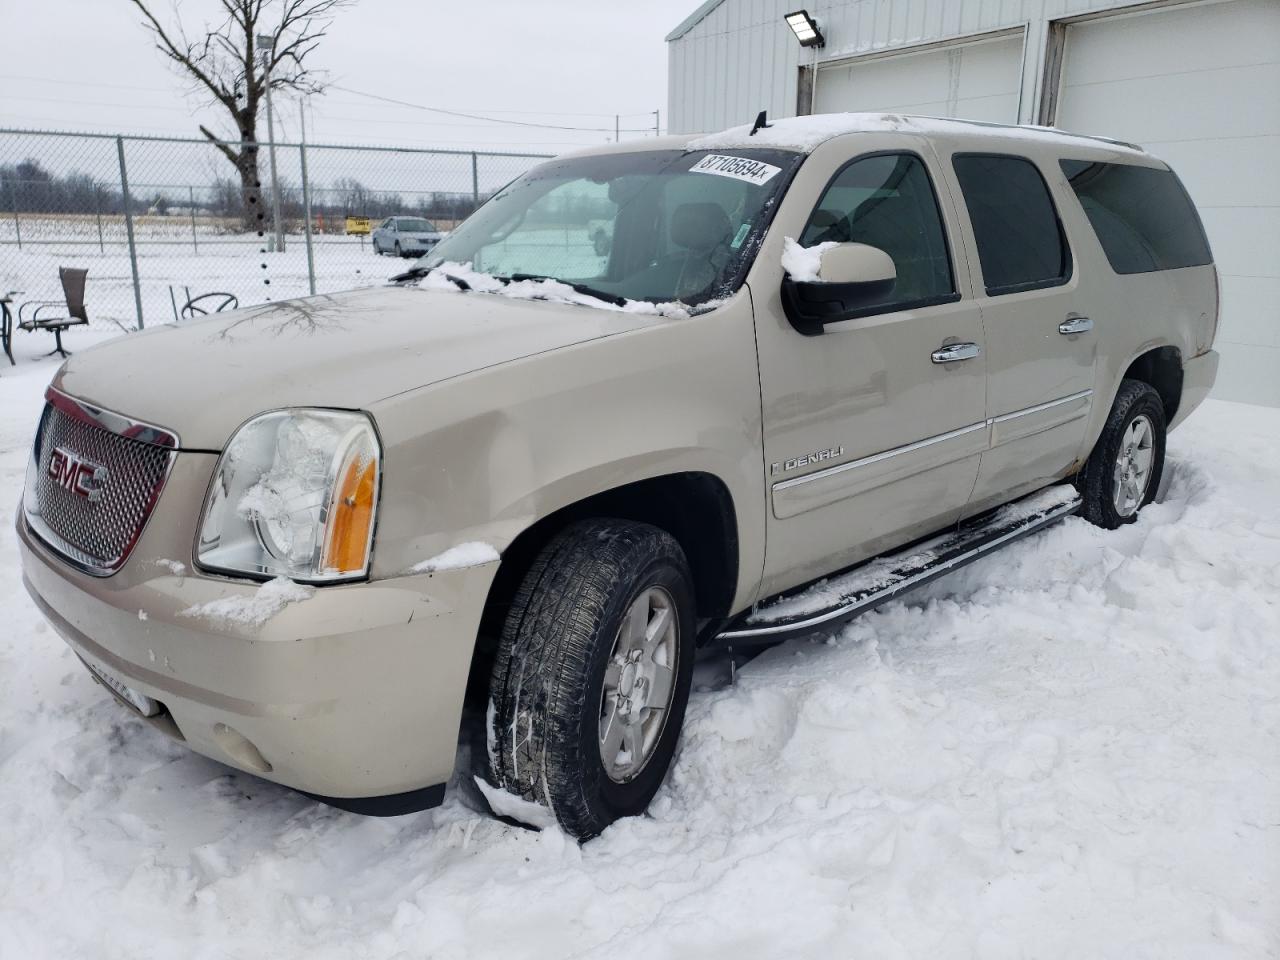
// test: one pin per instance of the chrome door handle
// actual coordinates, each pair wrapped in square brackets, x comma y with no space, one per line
[956,351]
[1075,325]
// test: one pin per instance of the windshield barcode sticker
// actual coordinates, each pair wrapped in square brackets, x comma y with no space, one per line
[738,168]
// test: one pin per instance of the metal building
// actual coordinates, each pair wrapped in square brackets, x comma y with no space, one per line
[1197,83]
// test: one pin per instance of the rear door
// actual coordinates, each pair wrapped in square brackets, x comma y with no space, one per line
[1041,345]
[870,439]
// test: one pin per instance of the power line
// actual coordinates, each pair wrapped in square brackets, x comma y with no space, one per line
[476,116]
[152,89]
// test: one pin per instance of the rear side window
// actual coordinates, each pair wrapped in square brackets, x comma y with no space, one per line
[887,201]
[1020,241]
[1143,217]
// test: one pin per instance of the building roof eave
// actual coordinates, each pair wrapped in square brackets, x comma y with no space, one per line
[693,19]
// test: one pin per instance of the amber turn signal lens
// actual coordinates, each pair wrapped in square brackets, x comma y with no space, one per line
[350,523]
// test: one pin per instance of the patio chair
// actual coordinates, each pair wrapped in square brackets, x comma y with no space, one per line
[208,303]
[202,304]
[73,280]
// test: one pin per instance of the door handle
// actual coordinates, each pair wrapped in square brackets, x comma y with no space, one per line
[1075,325]
[956,351]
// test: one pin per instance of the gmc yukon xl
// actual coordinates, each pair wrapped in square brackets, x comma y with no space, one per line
[818,363]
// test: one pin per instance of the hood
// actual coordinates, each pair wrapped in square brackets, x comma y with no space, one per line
[349,350]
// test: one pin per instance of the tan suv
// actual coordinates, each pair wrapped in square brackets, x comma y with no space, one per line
[818,363]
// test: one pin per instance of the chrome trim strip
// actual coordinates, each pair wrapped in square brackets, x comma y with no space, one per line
[877,457]
[905,584]
[117,423]
[928,441]
[1048,405]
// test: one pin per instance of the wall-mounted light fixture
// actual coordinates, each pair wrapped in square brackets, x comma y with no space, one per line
[805,28]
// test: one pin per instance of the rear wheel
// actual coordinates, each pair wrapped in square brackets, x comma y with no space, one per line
[1123,473]
[592,674]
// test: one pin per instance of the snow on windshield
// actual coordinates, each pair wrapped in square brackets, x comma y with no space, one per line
[445,277]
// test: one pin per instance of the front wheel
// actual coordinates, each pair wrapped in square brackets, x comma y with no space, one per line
[1123,473]
[592,674]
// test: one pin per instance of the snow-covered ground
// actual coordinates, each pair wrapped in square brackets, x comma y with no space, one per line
[1070,749]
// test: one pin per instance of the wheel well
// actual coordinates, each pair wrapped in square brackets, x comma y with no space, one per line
[1162,369]
[695,508]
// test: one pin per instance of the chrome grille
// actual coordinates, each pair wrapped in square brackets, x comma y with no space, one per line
[94,520]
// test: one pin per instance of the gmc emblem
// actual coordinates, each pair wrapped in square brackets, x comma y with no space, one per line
[72,472]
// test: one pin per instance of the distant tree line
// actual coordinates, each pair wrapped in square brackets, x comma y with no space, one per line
[27,187]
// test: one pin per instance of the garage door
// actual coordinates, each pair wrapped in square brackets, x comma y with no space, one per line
[1200,87]
[977,81]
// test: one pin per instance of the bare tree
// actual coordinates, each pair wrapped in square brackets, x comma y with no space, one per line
[225,64]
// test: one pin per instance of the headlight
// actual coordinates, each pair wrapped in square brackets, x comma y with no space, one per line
[294,495]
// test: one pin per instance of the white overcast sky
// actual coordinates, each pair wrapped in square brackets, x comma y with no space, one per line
[90,65]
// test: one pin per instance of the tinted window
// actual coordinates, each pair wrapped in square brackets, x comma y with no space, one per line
[1020,241]
[1143,217]
[887,201]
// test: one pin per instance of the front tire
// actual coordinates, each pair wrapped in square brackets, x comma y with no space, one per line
[1123,473]
[592,674]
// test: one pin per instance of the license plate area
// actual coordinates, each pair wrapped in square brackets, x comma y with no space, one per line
[140,702]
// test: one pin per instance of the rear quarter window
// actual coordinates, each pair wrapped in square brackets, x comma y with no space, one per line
[1142,216]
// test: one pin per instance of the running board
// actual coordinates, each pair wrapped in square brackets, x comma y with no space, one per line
[836,599]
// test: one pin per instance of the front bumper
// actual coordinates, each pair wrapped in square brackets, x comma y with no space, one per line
[353,695]
[1198,376]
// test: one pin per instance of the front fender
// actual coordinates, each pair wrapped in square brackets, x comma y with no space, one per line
[484,456]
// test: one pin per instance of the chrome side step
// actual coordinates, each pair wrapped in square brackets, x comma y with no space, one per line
[830,602]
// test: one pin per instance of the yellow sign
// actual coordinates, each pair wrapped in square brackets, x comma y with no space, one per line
[359,225]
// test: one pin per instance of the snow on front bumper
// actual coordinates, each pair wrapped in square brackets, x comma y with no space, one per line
[348,692]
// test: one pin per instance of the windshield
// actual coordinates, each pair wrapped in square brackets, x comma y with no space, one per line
[416,225]
[657,226]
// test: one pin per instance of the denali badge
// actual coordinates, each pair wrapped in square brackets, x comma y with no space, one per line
[784,466]
[74,473]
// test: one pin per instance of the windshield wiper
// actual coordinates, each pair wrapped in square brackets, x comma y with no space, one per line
[419,271]
[582,288]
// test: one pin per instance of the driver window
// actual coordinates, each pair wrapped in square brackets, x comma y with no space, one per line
[887,201]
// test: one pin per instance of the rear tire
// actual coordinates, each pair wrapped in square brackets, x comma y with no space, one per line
[580,720]
[1123,473]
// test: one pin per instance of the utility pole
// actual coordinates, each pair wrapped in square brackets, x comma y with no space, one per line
[657,126]
[617,131]
[306,197]
[267,44]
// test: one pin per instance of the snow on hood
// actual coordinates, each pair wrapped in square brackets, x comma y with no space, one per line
[348,350]
[806,133]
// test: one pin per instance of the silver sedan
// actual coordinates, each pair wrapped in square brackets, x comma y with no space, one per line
[405,236]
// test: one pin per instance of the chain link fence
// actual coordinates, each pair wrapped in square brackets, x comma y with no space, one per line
[160,221]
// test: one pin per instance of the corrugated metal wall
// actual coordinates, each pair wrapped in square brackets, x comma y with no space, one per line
[741,58]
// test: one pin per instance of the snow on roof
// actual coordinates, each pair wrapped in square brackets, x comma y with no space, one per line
[806,133]
[693,19]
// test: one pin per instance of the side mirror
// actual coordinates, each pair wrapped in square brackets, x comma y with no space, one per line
[850,277]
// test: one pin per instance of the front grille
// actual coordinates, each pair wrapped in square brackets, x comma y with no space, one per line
[93,481]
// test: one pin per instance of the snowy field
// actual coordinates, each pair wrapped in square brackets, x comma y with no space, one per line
[171,269]
[1068,750]
[174,266]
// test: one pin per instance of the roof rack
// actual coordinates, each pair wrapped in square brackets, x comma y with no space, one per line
[1043,129]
